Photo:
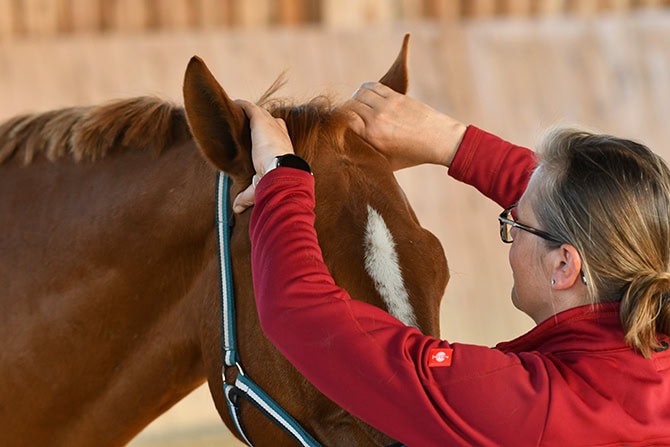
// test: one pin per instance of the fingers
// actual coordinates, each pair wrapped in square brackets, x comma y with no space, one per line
[282,124]
[371,94]
[357,113]
[245,199]
[257,113]
[372,98]
[252,110]
[269,135]
[262,120]
[365,104]
[376,88]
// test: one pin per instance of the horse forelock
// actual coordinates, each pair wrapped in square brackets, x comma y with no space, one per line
[90,133]
[312,125]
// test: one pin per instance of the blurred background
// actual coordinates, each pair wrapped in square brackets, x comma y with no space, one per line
[513,67]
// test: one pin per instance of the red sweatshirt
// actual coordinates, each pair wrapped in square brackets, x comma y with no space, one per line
[571,381]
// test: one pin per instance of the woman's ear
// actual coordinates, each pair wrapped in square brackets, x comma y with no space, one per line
[566,267]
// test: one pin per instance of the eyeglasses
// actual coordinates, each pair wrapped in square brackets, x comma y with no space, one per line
[507,222]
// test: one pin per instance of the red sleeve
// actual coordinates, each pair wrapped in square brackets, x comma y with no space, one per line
[498,169]
[364,359]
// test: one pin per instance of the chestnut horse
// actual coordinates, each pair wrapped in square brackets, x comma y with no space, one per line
[109,309]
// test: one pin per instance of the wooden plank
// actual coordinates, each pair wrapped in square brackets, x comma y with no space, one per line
[608,6]
[443,9]
[7,20]
[517,8]
[253,14]
[176,14]
[85,16]
[125,15]
[291,12]
[480,8]
[356,13]
[413,10]
[623,5]
[40,17]
[312,10]
[583,8]
[336,13]
[551,7]
[296,12]
[215,13]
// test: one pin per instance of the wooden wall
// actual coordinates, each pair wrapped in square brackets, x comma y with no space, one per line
[26,18]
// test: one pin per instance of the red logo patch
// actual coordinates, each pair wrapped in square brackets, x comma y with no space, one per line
[440,357]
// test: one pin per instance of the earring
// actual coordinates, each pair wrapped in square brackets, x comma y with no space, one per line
[553,282]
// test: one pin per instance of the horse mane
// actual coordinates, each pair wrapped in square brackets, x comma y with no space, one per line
[90,133]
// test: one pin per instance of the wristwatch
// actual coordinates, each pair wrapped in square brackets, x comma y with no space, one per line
[289,160]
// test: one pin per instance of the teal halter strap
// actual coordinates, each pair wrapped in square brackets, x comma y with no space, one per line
[243,387]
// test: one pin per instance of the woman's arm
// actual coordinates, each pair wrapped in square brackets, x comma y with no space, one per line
[498,169]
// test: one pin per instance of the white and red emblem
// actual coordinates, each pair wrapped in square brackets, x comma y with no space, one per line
[440,357]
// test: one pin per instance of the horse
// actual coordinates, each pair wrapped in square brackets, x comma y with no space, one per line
[109,310]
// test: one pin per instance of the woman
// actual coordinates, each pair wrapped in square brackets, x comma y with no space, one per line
[589,225]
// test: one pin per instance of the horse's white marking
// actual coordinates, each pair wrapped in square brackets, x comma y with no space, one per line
[381,263]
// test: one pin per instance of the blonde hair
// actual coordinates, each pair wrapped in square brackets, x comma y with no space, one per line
[610,199]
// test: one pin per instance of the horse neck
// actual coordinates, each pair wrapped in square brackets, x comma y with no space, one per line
[105,263]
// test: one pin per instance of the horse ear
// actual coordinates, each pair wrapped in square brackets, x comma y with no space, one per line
[219,125]
[397,76]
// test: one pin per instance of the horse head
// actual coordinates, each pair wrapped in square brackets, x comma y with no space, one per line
[371,240]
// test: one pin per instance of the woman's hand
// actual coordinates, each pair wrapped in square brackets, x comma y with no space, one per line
[269,138]
[407,131]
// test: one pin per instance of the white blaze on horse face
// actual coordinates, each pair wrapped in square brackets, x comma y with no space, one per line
[381,263]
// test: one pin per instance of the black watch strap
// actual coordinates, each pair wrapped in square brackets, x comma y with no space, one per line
[292,161]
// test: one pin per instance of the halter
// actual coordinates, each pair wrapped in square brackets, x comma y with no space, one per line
[244,387]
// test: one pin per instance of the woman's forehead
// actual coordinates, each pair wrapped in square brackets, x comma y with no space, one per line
[524,206]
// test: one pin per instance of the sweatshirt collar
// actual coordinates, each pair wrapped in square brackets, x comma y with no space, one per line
[593,326]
